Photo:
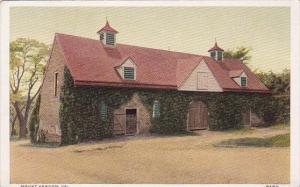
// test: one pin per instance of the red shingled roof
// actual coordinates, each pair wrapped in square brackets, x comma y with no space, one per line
[90,63]
[215,48]
[108,28]
[235,73]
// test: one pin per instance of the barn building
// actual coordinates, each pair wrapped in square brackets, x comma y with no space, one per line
[104,63]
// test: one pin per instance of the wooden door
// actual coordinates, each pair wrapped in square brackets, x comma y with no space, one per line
[197,116]
[131,121]
[246,118]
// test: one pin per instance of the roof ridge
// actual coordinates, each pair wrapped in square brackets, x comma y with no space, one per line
[122,44]
[179,52]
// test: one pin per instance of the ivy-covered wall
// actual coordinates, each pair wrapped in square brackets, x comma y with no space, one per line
[80,117]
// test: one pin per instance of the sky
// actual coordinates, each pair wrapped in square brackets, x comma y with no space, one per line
[266,30]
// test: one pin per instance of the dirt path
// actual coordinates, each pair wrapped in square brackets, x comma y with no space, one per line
[181,159]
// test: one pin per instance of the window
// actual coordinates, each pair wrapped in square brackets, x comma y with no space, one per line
[213,54]
[202,81]
[129,73]
[110,39]
[156,109]
[220,55]
[103,111]
[243,81]
[101,36]
[55,83]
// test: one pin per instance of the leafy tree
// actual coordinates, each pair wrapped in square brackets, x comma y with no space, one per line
[241,53]
[27,62]
[278,83]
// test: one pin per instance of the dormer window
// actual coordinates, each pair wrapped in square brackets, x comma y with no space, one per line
[240,77]
[243,81]
[127,70]
[129,73]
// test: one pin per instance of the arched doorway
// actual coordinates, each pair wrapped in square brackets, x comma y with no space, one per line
[197,116]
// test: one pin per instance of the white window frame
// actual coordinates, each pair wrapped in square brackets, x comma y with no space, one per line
[103,105]
[153,111]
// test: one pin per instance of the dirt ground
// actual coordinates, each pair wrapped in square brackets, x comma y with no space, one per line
[153,159]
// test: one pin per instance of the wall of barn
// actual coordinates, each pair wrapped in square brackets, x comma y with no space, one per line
[80,116]
[49,104]
[143,116]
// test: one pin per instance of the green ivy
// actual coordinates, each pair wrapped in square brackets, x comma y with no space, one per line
[80,117]
[34,121]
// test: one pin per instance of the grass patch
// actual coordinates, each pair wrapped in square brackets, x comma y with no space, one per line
[179,134]
[99,148]
[41,145]
[280,126]
[282,140]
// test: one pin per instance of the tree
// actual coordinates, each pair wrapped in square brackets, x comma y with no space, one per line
[241,53]
[278,83]
[27,62]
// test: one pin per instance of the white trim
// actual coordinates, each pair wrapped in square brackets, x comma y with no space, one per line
[153,109]
[105,36]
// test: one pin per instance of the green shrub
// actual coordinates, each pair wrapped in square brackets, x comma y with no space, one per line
[34,121]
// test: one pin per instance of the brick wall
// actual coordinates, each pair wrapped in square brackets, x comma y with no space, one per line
[49,108]
[143,116]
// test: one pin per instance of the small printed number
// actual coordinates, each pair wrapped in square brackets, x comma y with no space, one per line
[272,185]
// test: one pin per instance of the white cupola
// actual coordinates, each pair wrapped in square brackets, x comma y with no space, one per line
[216,52]
[107,35]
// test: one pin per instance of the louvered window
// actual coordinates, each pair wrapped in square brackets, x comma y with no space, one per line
[220,55]
[213,54]
[243,81]
[156,109]
[102,36]
[103,111]
[110,39]
[129,73]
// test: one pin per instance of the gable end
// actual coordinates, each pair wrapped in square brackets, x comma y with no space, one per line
[201,79]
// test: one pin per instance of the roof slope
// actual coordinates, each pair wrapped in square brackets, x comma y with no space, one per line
[90,63]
